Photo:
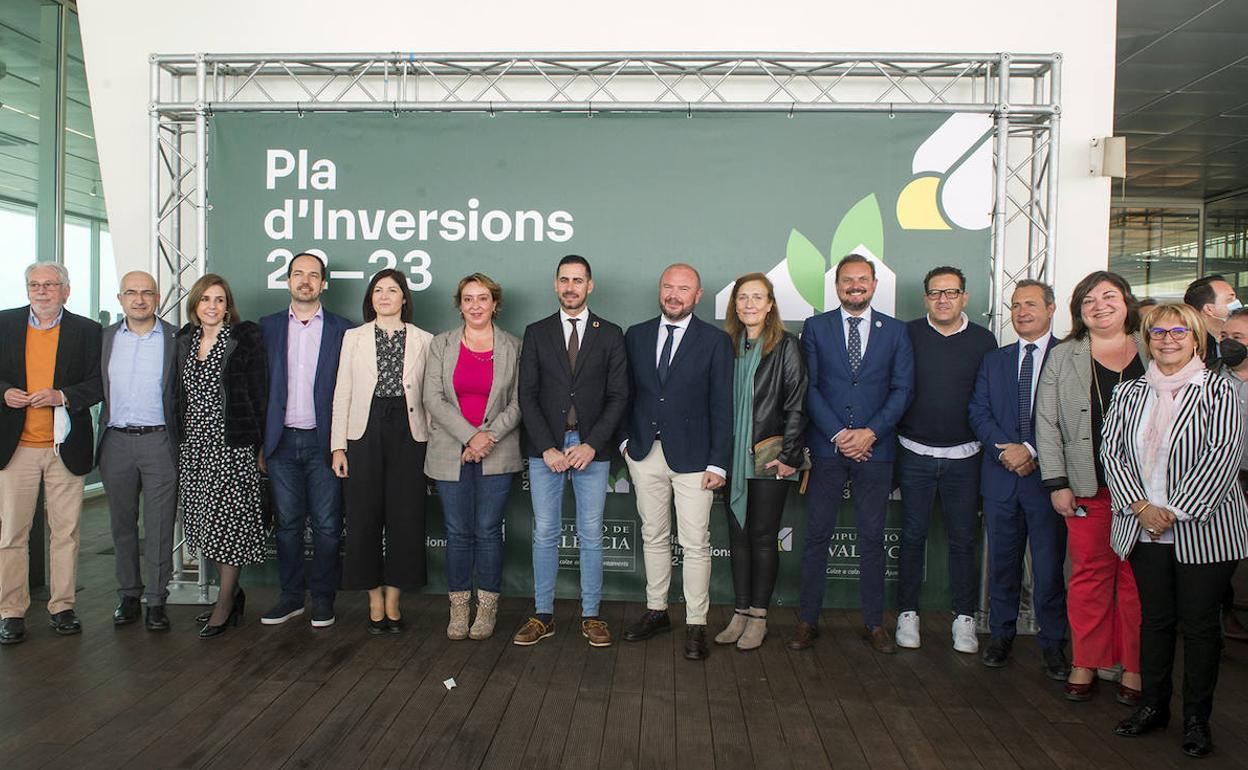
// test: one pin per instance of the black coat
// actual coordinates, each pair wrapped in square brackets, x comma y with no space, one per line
[780,399]
[77,375]
[244,383]
[598,387]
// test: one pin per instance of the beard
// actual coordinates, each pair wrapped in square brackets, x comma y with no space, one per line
[571,302]
[680,316]
[856,305]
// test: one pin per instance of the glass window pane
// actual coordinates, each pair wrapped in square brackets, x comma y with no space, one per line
[1155,249]
[108,279]
[78,262]
[19,122]
[17,233]
[1226,241]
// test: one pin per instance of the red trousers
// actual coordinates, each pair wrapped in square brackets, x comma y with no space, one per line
[1102,602]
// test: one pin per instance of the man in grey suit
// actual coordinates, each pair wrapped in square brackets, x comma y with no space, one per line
[137,452]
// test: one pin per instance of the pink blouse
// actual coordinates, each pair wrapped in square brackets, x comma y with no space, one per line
[474,374]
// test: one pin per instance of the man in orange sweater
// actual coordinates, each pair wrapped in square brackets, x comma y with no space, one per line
[49,380]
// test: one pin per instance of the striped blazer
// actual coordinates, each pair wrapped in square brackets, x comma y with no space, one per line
[1064,417]
[1206,443]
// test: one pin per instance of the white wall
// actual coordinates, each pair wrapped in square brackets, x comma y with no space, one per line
[118,36]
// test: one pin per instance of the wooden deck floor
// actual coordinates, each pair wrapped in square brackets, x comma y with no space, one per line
[291,696]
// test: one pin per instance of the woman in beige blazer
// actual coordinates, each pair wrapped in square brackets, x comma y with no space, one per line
[1074,392]
[474,448]
[378,440]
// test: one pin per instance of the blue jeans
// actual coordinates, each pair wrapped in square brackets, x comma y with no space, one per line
[957,481]
[473,510]
[304,486]
[872,481]
[590,488]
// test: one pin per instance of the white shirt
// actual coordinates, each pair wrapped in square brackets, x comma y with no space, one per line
[580,324]
[1155,484]
[957,451]
[1037,358]
[679,334]
[864,328]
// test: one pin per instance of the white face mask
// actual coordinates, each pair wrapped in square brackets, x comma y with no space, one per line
[1233,305]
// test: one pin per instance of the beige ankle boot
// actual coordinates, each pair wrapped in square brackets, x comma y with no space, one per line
[735,628]
[755,630]
[487,612]
[458,627]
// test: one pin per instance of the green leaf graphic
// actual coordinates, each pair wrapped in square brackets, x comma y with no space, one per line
[806,267]
[861,224]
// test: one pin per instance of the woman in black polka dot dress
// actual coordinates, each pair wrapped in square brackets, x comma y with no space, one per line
[220,401]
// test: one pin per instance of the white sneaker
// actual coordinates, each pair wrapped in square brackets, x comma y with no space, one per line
[964,639]
[908,630]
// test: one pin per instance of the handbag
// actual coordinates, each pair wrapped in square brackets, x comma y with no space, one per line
[770,449]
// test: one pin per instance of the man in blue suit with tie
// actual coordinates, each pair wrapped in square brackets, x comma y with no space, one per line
[678,445]
[1016,506]
[861,367]
[303,343]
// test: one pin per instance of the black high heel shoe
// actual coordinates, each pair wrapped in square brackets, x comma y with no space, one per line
[206,615]
[235,618]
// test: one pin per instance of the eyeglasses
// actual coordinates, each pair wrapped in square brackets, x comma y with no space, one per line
[946,293]
[133,293]
[1178,333]
[46,285]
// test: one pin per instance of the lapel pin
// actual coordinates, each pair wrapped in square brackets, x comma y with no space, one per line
[878,324]
[595,324]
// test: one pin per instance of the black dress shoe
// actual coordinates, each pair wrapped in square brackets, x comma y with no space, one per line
[379,626]
[12,630]
[805,636]
[997,653]
[127,612]
[695,643]
[651,622]
[1143,720]
[157,619]
[1056,667]
[1197,740]
[65,623]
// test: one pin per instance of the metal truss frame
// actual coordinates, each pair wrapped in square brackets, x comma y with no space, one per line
[1021,92]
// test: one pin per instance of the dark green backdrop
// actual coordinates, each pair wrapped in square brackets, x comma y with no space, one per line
[729,193]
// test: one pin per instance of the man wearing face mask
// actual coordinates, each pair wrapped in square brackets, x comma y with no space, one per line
[1235,368]
[1214,298]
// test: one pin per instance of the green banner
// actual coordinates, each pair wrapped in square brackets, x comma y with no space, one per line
[439,196]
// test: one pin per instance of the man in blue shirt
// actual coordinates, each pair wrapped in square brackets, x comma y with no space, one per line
[137,451]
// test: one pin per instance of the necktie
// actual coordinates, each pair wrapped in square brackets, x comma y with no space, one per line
[854,345]
[1024,392]
[665,358]
[574,347]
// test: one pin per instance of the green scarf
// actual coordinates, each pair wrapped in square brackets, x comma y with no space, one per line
[744,367]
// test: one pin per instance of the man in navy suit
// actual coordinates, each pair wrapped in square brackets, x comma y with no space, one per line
[861,368]
[678,443]
[303,343]
[1016,506]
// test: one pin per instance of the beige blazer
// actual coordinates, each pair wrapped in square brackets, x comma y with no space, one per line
[357,379]
[448,430]
[1064,415]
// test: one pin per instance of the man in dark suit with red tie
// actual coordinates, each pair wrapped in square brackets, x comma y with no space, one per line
[1017,508]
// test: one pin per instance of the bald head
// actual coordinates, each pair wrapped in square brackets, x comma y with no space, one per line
[680,288]
[139,299]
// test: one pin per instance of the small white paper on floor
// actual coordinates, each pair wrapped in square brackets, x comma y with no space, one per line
[450,683]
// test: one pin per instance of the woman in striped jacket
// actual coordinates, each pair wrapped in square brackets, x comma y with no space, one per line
[1172,445]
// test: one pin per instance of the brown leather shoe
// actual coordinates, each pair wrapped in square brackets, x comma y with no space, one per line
[880,640]
[533,631]
[805,636]
[596,632]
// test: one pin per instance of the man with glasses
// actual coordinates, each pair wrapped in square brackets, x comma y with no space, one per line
[50,379]
[138,449]
[939,454]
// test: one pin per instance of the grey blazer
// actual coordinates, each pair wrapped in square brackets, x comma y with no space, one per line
[1064,416]
[106,353]
[448,430]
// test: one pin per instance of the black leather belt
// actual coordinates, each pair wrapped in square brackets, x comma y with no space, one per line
[139,430]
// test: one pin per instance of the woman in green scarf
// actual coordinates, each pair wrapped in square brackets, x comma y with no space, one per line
[768,451]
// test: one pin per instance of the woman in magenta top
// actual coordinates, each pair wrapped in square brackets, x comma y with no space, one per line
[474,448]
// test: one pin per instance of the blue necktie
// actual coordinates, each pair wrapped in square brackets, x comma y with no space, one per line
[855,344]
[1024,392]
[665,358]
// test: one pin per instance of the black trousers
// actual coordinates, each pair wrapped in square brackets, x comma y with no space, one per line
[1178,597]
[755,556]
[384,496]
